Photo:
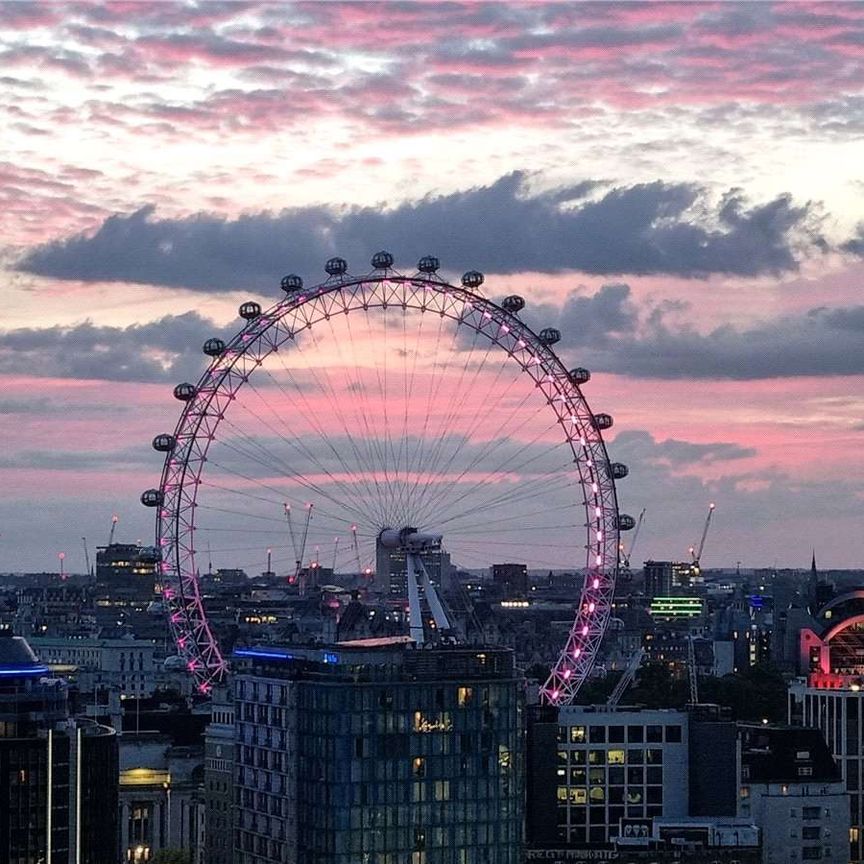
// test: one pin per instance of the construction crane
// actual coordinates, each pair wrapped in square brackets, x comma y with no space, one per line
[627,678]
[625,575]
[356,545]
[114,520]
[691,670]
[86,556]
[696,552]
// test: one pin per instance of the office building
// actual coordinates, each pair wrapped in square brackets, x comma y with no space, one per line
[378,752]
[58,798]
[127,572]
[791,788]
[596,774]
[219,780]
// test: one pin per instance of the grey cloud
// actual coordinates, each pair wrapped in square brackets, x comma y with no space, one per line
[642,229]
[821,341]
[640,447]
[855,244]
[164,350]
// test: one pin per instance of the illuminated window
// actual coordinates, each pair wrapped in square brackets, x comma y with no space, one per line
[577,734]
[745,792]
[562,793]
[598,793]
[578,796]
[419,767]
[464,695]
[616,757]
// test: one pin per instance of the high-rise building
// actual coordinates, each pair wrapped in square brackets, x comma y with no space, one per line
[658,578]
[391,574]
[378,752]
[219,780]
[595,774]
[58,795]
[127,571]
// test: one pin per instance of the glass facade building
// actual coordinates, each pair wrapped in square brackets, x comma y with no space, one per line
[378,752]
[594,772]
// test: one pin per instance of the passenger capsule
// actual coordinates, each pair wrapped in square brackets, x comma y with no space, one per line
[580,376]
[152,498]
[336,266]
[214,347]
[185,391]
[549,336]
[291,282]
[514,303]
[623,522]
[618,470]
[472,279]
[428,264]
[250,310]
[164,443]
[603,421]
[382,260]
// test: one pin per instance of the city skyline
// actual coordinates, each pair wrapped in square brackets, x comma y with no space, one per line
[671,185]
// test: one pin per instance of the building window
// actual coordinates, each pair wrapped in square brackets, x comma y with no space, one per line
[811,812]
[616,757]
[673,734]
[577,734]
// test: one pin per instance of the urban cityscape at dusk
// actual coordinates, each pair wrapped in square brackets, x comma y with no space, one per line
[432,432]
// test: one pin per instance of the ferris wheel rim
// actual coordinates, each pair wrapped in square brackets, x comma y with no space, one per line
[180,481]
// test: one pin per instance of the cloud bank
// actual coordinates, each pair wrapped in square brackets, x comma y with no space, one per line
[649,228]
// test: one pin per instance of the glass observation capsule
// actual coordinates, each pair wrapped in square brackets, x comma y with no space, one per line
[185,391]
[472,279]
[513,303]
[336,266]
[603,421]
[249,310]
[164,443]
[625,522]
[550,335]
[214,347]
[580,376]
[382,260]
[291,282]
[618,470]
[428,264]
[151,498]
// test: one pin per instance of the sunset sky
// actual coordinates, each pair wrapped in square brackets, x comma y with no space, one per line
[678,187]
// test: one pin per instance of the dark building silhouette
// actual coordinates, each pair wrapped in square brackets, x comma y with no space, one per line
[58,798]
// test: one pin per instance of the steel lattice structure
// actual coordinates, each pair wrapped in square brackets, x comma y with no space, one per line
[207,402]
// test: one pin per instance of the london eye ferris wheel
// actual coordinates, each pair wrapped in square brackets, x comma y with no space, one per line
[383,401]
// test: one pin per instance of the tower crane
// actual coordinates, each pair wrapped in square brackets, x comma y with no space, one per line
[625,575]
[696,552]
[114,520]
[626,679]
[86,556]
[356,545]
[299,549]
[691,670]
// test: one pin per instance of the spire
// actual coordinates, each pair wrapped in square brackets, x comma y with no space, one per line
[813,575]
